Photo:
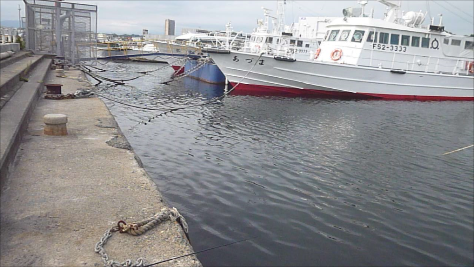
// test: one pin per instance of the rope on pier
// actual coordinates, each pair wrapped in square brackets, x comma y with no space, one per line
[100,78]
[166,214]
[165,111]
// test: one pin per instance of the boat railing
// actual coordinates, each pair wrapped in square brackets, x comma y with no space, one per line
[428,64]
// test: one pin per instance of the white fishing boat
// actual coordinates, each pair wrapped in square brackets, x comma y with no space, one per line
[362,57]
[273,37]
[194,43]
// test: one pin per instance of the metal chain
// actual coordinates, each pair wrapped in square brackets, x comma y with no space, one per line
[195,68]
[165,214]
[99,248]
[187,73]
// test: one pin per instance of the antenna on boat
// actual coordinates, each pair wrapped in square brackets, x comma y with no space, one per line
[363,3]
[392,7]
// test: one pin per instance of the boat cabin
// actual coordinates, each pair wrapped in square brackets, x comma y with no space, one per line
[365,41]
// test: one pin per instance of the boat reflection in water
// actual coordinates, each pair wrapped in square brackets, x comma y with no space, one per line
[207,90]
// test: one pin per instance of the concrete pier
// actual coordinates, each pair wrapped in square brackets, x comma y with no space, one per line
[64,192]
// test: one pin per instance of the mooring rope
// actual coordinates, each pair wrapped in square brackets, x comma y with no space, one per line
[169,110]
[447,153]
[122,81]
[213,100]
[204,250]
[166,214]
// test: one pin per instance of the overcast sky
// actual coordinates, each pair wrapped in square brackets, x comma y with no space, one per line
[133,16]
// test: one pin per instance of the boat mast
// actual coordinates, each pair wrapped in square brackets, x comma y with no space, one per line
[392,14]
[281,16]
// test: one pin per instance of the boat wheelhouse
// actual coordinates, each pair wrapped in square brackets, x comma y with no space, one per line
[368,42]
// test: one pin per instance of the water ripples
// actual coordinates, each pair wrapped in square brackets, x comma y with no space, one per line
[319,182]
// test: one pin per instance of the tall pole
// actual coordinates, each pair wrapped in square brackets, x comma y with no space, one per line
[58,28]
[19,17]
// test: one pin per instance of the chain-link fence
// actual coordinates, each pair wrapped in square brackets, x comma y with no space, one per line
[67,30]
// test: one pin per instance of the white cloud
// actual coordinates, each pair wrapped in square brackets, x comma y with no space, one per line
[133,16]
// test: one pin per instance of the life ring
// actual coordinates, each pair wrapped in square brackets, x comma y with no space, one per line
[316,55]
[336,54]
[470,67]
[437,44]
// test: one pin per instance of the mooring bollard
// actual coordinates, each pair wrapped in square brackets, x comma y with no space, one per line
[53,88]
[55,124]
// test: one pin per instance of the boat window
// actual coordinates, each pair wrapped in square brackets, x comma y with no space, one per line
[405,40]
[446,41]
[333,35]
[259,39]
[415,41]
[395,39]
[357,37]
[278,40]
[307,45]
[269,40]
[425,42]
[383,38]
[469,45]
[371,36]
[292,42]
[344,35]
[325,36]
[455,42]
[299,44]
[252,39]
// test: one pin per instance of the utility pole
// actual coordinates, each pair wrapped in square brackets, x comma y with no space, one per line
[19,17]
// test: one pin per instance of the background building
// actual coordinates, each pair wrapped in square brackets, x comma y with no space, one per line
[169,27]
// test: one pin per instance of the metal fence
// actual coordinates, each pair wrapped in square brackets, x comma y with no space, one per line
[67,30]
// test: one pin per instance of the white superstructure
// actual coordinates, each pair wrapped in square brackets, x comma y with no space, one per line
[361,57]
[294,41]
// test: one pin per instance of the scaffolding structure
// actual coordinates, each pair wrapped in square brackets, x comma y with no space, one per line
[67,30]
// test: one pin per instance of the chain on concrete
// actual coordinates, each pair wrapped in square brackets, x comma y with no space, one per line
[137,229]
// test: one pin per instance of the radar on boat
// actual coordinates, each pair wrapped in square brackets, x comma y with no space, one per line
[413,18]
[352,12]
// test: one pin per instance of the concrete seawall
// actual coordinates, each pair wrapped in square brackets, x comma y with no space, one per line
[15,47]
[65,191]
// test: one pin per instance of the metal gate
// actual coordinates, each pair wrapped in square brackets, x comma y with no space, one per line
[67,30]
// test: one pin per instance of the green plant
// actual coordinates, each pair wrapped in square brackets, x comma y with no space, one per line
[25,73]
[21,42]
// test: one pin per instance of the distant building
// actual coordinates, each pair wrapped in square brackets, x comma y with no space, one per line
[8,34]
[102,38]
[169,27]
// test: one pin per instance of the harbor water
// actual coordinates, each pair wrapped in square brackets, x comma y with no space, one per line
[312,182]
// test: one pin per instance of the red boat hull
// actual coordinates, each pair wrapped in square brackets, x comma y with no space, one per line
[264,90]
[178,69]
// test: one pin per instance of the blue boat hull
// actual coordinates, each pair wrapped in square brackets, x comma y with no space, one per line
[208,73]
